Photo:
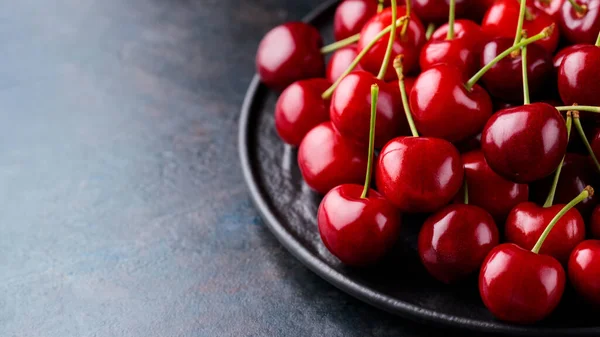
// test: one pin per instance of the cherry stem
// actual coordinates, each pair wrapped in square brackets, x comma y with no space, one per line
[327,94]
[587,192]
[450,35]
[552,193]
[400,72]
[598,40]
[541,35]
[408,5]
[580,9]
[390,46]
[380,6]
[579,108]
[340,44]
[466,191]
[430,30]
[519,32]
[584,139]
[374,97]
[526,99]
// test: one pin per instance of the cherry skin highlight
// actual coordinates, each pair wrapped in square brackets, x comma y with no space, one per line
[551,7]
[288,53]
[350,16]
[300,108]
[436,11]
[519,286]
[580,28]
[327,159]
[584,268]
[454,241]
[463,29]
[359,232]
[459,52]
[340,61]
[578,77]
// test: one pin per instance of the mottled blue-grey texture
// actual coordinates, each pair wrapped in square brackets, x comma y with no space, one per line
[123,208]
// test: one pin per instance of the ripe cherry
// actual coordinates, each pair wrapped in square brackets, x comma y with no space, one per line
[436,11]
[477,9]
[300,108]
[288,53]
[350,16]
[458,52]
[551,7]
[580,20]
[584,268]
[560,55]
[454,241]
[340,61]
[578,76]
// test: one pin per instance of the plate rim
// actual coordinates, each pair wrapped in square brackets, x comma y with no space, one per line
[337,279]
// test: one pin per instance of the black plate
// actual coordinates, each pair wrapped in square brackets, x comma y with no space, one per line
[399,285]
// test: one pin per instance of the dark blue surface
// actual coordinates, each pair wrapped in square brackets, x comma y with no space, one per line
[123,207]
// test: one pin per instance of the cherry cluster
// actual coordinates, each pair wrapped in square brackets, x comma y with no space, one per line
[461,110]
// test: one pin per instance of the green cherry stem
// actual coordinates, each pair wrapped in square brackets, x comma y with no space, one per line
[340,44]
[580,9]
[374,97]
[526,99]
[408,6]
[380,6]
[586,193]
[579,108]
[430,30]
[450,35]
[598,40]
[390,45]
[519,32]
[400,72]
[584,138]
[466,190]
[327,94]
[552,193]
[541,35]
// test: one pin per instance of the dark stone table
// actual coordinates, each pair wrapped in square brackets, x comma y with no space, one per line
[123,208]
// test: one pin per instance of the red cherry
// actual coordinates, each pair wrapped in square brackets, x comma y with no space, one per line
[560,55]
[436,11]
[584,268]
[288,53]
[579,27]
[350,106]
[415,182]
[454,241]
[505,79]
[519,286]
[578,76]
[477,9]
[351,15]
[327,159]
[502,17]
[551,7]
[410,45]
[489,190]
[458,52]
[525,143]
[340,61]
[595,223]
[442,106]
[463,29]
[527,221]
[357,231]
[300,108]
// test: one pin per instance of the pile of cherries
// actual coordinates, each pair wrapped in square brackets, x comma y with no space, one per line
[469,123]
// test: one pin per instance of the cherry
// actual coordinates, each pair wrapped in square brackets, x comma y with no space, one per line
[595,223]
[560,55]
[288,53]
[463,29]
[340,60]
[584,268]
[504,80]
[525,143]
[503,16]
[477,9]
[409,44]
[299,108]
[454,241]
[580,20]
[578,76]
[351,15]
[489,190]
[551,7]
[327,159]
[520,286]
[458,52]
[436,11]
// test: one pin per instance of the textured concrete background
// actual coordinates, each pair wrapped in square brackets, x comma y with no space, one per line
[123,208]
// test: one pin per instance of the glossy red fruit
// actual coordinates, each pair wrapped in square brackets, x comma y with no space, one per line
[351,103]
[525,143]
[351,15]
[477,9]
[288,53]
[584,268]
[519,286]
[527,221]
[489,190]
[300,108]
[410,45]
[454,241]
[551,7]
[595,223]
[419,174]
[442,107]
[340,61]
[436,11]
[580,28]
[463,29]
[578,76]
[357,231]
[505,79]
[327,159]
[457,52]
[502,17]
[560,55]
